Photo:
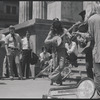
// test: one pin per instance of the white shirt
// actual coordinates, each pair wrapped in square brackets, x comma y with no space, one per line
[44,56]
[24,43]
[72,48]
[9,40]
[2,38]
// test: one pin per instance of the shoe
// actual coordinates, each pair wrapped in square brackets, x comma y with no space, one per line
[20,78]
[98,93]
[59,82]
[27,77]
[11,78]
[33,78]
[51,83]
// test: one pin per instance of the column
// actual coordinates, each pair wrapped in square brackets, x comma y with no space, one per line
[39,9]
[23,11]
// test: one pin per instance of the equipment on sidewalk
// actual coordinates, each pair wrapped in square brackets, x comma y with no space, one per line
[85,89]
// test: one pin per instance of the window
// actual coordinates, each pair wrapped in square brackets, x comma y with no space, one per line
[13,10]
[8,9]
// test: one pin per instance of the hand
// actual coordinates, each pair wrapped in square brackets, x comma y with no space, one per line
[7,54]
[54,41]
[69,52]
[20,56]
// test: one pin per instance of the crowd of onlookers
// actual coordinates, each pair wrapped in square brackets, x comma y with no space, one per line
[16,53]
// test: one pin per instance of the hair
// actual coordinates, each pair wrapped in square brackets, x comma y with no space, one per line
[56,26]
[44,48]
[98,9]
[93,10]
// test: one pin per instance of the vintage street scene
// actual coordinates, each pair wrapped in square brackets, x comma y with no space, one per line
[49,49]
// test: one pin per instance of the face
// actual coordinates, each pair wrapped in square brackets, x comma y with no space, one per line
[44,50]
[12,31]
[27,34]
[68,40]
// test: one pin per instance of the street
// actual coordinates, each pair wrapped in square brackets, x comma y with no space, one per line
[28,88]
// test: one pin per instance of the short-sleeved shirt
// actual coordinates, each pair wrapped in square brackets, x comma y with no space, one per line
[44,56]
[72,47]
[2,38]
[10,41]
[24,43]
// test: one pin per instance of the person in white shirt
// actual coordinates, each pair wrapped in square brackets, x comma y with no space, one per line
[72,51]
[44,58]
[26,54]
[13,47]
[2,53]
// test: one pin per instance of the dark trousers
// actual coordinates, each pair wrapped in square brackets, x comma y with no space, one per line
[26,54]
[89,62]
[55,76]
[2,55]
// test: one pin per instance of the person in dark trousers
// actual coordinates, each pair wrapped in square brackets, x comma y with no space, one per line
[2,53]
[94,30]
[26,54]
[58,51]
[83,28]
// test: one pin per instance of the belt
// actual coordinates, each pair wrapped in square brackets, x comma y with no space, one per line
[13,48]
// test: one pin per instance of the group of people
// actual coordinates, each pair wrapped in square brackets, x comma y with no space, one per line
[63,45]
[85,34]
[17,54]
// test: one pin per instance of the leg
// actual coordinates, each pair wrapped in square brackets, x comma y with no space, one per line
[97,75]
[2,56]
[23,64]
[89,70]
[17,61]
[10,60]
[27,70]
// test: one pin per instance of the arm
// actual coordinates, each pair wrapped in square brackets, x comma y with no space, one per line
[67,33]
[41,57]
[20,42]
[72,48]
[91,28]
[48,38]
[6,44]
[2,40]
[66,46]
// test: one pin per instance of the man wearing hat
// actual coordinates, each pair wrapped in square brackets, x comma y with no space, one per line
[83,29]
[13,47]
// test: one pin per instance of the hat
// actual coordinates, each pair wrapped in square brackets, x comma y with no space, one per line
[82,13]
[11,27]
[55,19]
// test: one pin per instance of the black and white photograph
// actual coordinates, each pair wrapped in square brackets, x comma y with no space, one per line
[49,49]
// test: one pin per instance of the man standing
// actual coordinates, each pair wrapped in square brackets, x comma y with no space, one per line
[94,30]
[26,54]
[13,47]
[2,53]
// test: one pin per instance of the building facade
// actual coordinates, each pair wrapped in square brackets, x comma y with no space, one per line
[9,13]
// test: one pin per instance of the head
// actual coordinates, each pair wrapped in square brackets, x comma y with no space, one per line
[44,49]
[68,39]
[57,26]
[82,14]
[11,29]
[91,10]
[98,9]
[27,34]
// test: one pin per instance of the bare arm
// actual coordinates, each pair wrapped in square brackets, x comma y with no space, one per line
[70,50]
[48,38]
[6,44]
